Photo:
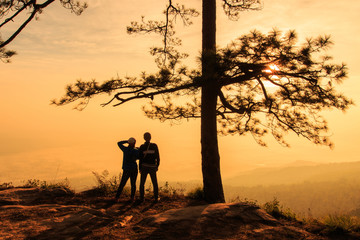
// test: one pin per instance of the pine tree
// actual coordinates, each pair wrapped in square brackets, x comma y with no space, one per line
[259,84]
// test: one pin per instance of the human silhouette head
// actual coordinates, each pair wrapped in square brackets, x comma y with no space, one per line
[132,142]
[147,137]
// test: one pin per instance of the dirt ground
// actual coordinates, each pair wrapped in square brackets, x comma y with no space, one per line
[31,213]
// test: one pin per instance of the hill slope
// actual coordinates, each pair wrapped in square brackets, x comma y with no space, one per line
[31,213]
[297,174]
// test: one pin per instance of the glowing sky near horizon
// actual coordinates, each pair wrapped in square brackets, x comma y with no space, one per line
[38,140]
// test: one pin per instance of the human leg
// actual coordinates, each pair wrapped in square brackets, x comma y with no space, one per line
[133,177]
[125,176]
[143,175]
[155,184]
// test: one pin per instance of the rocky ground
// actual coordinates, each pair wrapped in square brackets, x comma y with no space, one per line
[33,213]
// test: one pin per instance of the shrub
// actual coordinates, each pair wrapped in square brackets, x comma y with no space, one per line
[30,183]
[341,223]
[278,211]
[169,191]
[244,200]
[65,184]
[6,185]
[106,185]
[197,193]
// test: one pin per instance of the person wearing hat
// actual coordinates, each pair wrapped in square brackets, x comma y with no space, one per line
[129,166]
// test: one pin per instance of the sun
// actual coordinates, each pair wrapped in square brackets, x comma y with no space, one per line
[272,69]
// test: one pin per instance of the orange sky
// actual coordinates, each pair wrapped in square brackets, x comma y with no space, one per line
[41,141]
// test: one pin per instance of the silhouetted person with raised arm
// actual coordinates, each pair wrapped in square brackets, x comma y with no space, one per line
[129,166]
[149,164]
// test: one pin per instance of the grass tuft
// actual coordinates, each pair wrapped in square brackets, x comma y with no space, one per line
[278,211]
[244,200]
[6,185]
[106,185]
[341,223]
[168,191]
[30,183]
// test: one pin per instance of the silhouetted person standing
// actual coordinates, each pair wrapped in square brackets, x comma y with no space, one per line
[130,168]
[149,164]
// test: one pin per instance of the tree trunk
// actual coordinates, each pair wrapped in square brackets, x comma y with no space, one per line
[213,189]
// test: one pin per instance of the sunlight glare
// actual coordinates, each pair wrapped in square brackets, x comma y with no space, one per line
[271,71]
[272,68]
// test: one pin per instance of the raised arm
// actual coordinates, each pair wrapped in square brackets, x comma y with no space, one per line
[121,145]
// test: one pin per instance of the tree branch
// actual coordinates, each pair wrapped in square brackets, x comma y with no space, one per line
[75,7]
[13,36]
[166,54]
[151,94]
[233,7]
[37,8]
[227,105]
[17,12]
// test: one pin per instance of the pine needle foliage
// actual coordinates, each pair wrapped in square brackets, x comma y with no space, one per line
[266,84]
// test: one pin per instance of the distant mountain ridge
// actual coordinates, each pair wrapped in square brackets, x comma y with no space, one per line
[297,172]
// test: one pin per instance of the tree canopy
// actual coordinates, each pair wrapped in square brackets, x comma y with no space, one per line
[267,83]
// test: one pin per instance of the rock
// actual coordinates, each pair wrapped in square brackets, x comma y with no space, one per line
[24,196]
[77,218]
[221,211]
[22,216]
[218,221]
[8,201]
[57,192]
[125,221]
[75,225]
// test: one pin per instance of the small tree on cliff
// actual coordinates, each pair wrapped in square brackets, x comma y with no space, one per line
[258,84]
